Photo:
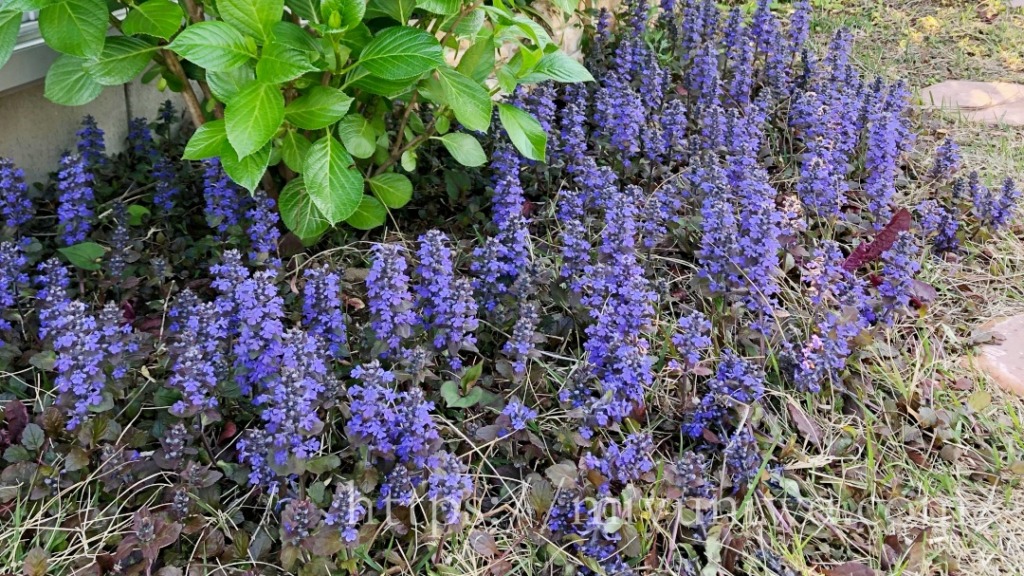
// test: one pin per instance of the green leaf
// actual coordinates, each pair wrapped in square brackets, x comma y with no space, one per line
[68,83]
[335,186]
[524,130]
[10,23]
[16,453]
[357,135]
[85,255]
[322,464]
[308,10]
[467,98]
[464,148]
[246,172]
[295,36]
[443,124]
[369,215]
[288,55]
[299,213]
[560,67]
[350,11]
[44,360]
[75,27]
[26,5]
[401,52]
[397,10]
[471,375]
[567,6]
[76,459]
[380,86]
[32,437]
[465,27]
[408,160]
[226,83]
[394,190]
[158,18]
[525,60]
[122,59]
[253,116]
[280,63]
[137,213]
[454,399]
[320,107]
[294,147]
[478,61]
[445,7]
[507,80]
[214,45]
[533,30]
[207,141]
[253,17]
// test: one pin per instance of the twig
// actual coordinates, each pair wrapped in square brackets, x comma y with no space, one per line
[405,120]
[195,12]
[195,110]
[412,144]
[465,12]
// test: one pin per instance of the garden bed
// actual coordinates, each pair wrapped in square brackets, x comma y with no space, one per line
[719,330]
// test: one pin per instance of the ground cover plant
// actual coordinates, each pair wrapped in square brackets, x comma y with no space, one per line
[593,367]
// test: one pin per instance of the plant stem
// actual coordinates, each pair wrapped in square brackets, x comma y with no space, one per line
[465,12]
[195,12]
[395,156]
[405,120]
[195,110]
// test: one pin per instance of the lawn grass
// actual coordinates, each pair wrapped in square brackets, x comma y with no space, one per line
[933,484]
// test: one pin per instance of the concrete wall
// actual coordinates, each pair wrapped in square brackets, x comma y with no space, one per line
[34,131]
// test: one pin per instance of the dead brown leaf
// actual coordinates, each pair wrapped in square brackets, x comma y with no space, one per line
[808,428]
[483,543]
[850,569]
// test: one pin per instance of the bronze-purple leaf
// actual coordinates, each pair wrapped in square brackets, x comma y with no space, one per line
[870,251]
[922,292]
[16,417]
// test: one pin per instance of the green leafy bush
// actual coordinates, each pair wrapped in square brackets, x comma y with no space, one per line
[337,95]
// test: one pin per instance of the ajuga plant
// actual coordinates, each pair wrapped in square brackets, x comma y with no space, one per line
[339,96]
[721,226]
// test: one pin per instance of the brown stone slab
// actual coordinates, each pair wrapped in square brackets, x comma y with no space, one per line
[1004,362]
[986,102]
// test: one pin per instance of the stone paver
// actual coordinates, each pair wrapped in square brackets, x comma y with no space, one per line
[986,102]
[1004,361]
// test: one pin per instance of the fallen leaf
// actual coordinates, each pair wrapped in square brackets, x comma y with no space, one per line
[979,401]
[562,475]
[964,384]
[922,292]
[808,428]
[850,569]
[37,562]
[917,457]
[501,568]
[483,543]
[950,453]
[892,551]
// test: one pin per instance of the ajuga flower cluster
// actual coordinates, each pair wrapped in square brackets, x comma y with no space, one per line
[721,214]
